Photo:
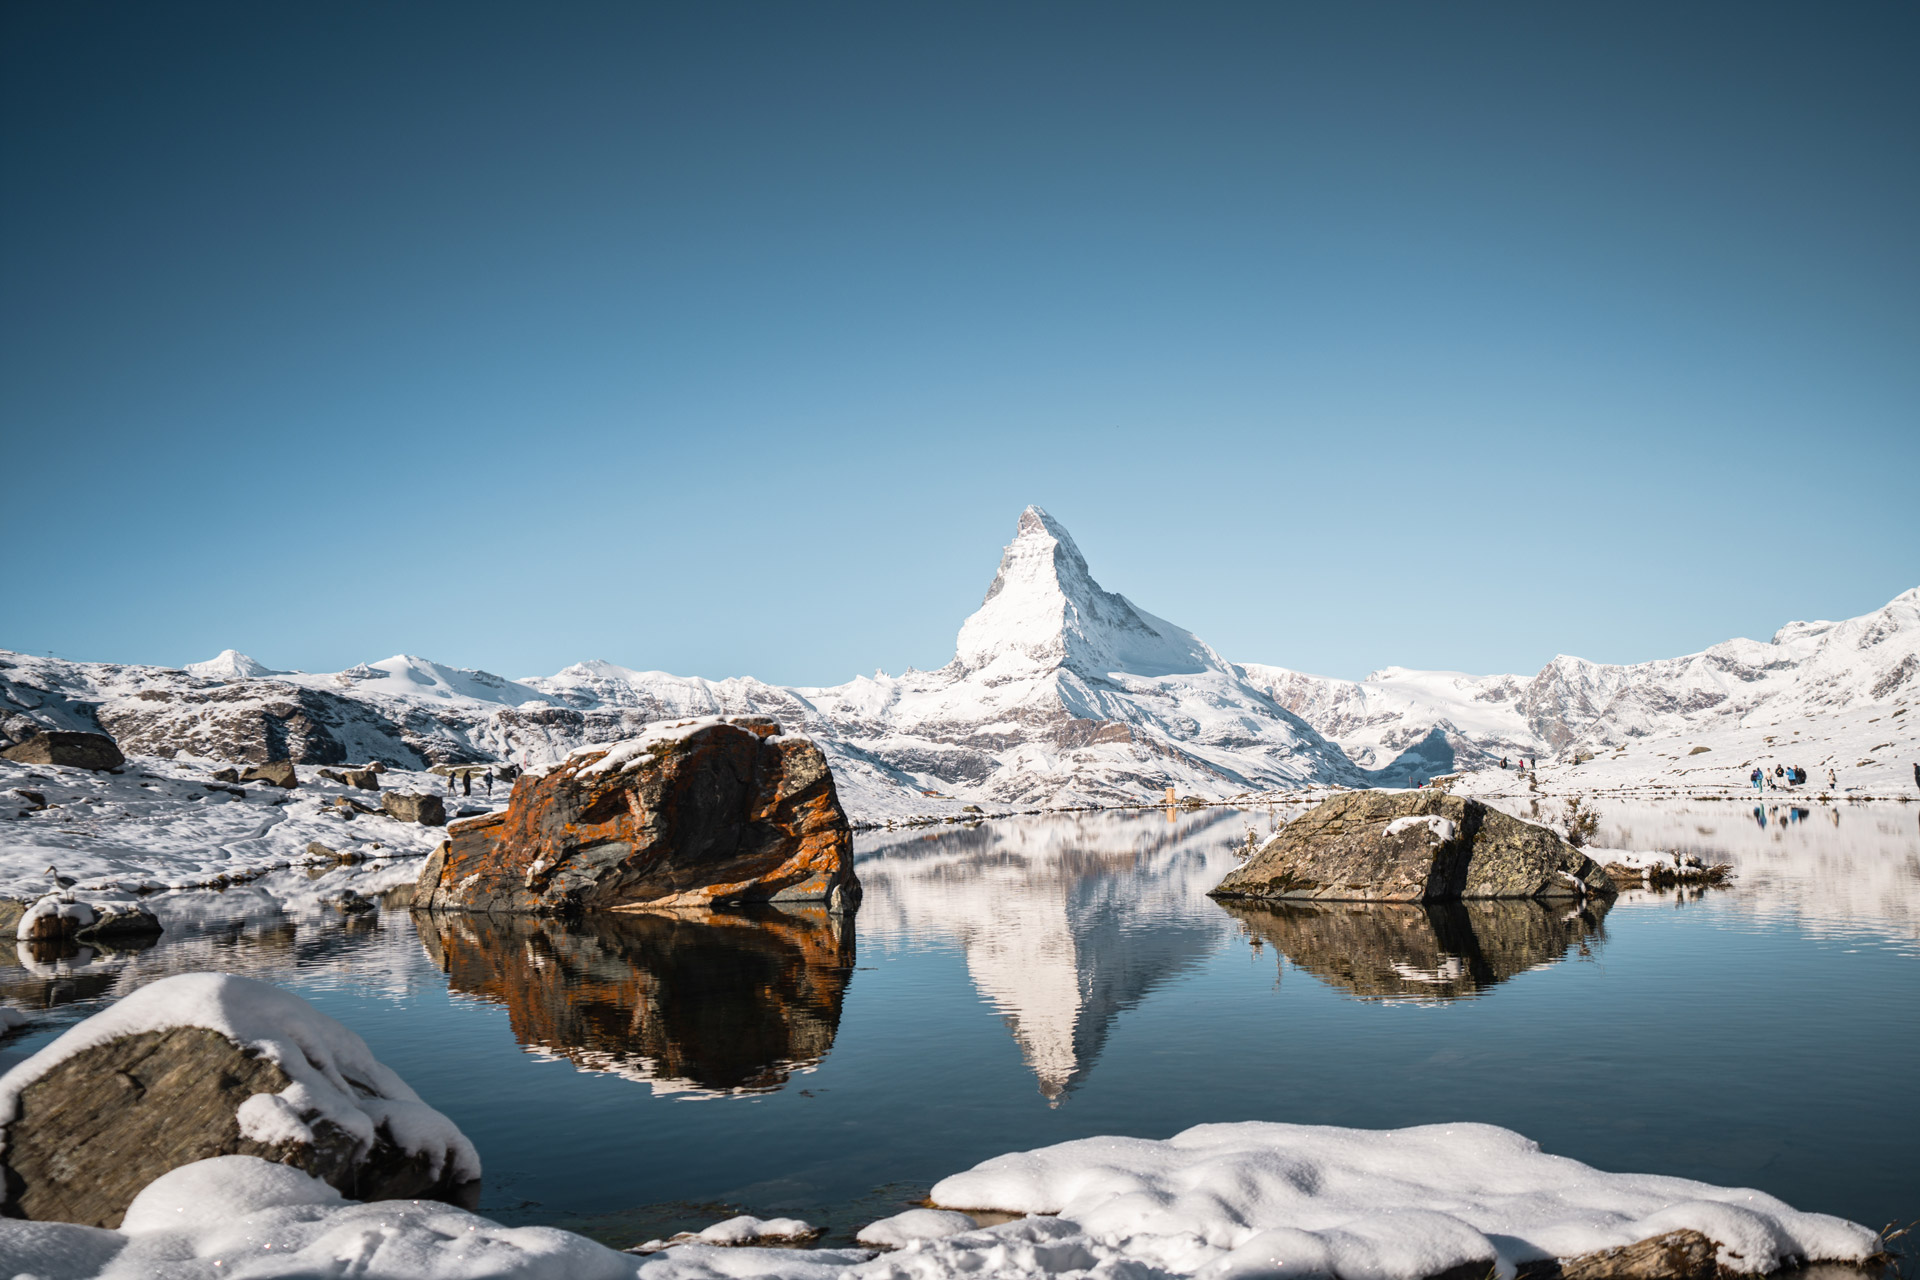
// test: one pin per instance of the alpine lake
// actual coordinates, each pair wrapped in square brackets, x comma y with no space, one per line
[1021,982]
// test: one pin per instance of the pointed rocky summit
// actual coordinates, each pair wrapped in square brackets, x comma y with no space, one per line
[1045,610]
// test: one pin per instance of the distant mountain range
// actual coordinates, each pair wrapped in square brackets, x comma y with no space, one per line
[1059,693]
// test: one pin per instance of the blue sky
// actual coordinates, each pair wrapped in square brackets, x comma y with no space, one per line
[732,339]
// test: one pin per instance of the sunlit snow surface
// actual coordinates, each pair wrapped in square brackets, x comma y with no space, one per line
[1215,1201]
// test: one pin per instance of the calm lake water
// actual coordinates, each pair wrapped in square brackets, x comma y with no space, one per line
[1025,982]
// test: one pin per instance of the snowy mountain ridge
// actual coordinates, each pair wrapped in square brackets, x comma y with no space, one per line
[1808,671]
[1059,693]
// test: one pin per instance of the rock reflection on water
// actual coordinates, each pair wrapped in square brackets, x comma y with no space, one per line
[1434,951]
[688,1001]
[1066,922]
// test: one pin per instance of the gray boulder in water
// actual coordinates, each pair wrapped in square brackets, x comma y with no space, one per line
[74,750]
[1413,846]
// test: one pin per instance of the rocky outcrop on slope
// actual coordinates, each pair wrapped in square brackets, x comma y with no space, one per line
[713,1001]
[691,814]
[275,773]
[1413,846]
[73,750]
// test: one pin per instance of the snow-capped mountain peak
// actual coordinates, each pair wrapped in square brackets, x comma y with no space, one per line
[230,665]
[1044,610]
[409,677]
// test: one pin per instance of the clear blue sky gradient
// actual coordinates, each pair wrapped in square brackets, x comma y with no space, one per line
[731,339]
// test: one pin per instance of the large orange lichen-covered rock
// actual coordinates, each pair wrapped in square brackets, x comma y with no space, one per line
[691,813]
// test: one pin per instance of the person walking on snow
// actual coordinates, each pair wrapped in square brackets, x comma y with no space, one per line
[466,783]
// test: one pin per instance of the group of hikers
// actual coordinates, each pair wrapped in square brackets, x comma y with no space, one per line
[466,782]
[1522,764]
[1787,776]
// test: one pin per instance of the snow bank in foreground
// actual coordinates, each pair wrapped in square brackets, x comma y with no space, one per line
[240,1216]
[1214,1202]
[1222,1198]
[335,1076]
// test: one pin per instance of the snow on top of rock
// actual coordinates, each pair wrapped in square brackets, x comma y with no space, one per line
[1399,1203]
[231,664]
[1443,829]
[630,751]
[334,1075]
[1045,610]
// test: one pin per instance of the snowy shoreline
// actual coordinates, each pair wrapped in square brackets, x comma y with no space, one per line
[1212,1202]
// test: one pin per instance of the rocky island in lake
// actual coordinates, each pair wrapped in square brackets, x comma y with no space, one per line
[1418,846]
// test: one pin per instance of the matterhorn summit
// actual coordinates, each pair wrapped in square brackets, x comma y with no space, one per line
[1044,610]
[231,664]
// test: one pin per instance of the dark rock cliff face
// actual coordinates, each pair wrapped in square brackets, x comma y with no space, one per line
[720,1001]
[74,750]
[1413,846]
[699,814]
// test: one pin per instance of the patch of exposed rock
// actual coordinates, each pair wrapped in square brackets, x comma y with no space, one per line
[73,750]
[426,809]
[1413,846]
[693,814]
[275,773]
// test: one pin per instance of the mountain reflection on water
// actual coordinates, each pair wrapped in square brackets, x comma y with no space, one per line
[1422,951]
[687,1001]
[1064,923]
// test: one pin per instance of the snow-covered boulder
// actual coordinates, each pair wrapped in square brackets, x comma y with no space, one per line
[1413,846]
[73,750]
[692,813]
[62,916]
[210,1064]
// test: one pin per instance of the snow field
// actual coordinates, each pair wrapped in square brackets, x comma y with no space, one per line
[162,824]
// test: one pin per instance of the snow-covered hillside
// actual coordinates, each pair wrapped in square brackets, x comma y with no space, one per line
[1060,693]
[1826,680]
